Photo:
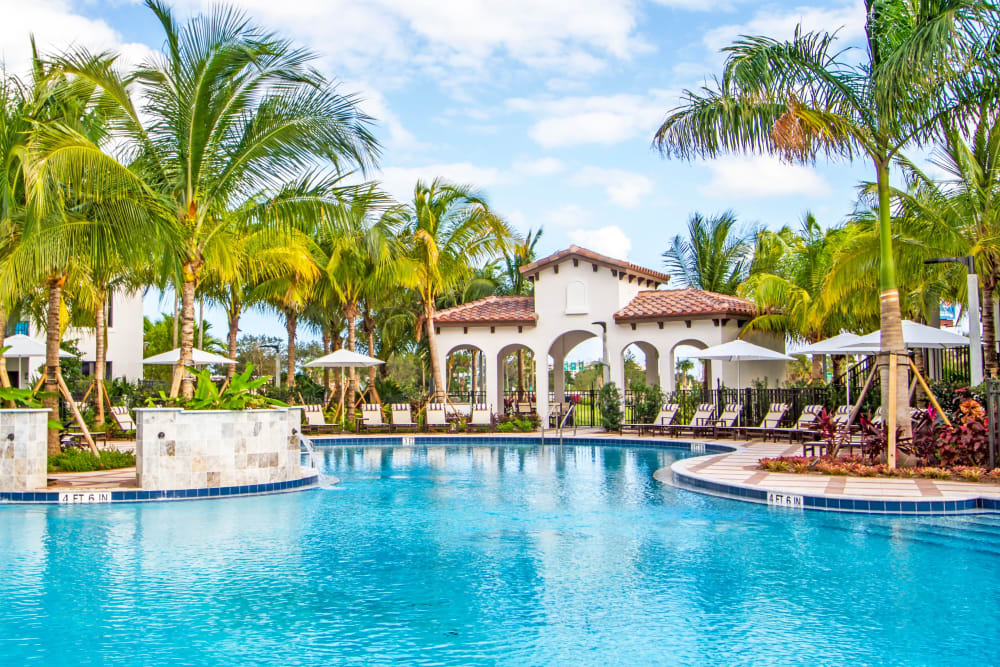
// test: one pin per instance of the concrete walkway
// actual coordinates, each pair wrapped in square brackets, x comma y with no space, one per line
[739,468]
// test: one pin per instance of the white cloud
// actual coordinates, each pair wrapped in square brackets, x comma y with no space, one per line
[847,17]
[599,119]
[375,105]
[56,27]
[761,177]
[625,188]
[399,181]
[574,35]
[610,241]
[545,166]
[567,216]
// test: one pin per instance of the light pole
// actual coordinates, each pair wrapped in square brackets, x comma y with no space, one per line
[277,364]
[975,324]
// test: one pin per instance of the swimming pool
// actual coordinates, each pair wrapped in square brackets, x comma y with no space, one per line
[511,554]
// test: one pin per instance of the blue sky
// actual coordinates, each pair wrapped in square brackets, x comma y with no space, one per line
[549,106]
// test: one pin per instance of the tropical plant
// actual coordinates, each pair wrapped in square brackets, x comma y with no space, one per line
[240,393]
[799,98]
[449,229]
[715,256]
[789,296]
[231,114]
[609,405]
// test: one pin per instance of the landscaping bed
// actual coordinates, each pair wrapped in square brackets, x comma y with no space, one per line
[80,460]
[857,467]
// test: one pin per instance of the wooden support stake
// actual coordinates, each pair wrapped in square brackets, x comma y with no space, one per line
[38,385]
[930,394]
[864,392]
[87,393]
[76,413]
[890,419]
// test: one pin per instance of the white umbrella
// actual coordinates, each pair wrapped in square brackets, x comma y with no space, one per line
[198,358]
[344,359]
[24,347]
[914,336]
[740,350]
[835,345]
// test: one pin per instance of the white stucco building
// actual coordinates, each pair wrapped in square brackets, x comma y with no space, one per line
[124,350]
[580,294]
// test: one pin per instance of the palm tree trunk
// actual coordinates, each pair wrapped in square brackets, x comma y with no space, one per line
[291,324]
[891,318]
[990,328]
[182,381]
[370,326]
[52,340]
[233,318]
[440,390]
[816,372]
[4,378]
[100,353]
[325,332]
[353,383]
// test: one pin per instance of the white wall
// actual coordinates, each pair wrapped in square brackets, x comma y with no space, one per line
[124,349]
[606,295]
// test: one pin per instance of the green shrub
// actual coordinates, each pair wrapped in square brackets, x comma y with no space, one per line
[506,427]
[648,401]
[524,425]
[80,460]
[242,393]
[609,402]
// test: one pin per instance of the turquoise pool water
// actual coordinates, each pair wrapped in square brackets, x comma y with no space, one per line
[516,555]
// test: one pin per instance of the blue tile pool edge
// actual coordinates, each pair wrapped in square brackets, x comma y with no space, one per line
[897,507]
[304,483]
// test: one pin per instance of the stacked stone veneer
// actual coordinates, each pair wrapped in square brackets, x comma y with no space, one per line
[195,449]
[23,449]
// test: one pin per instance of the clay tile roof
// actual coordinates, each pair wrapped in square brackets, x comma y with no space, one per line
[492,309]
[651,304]
[596,258]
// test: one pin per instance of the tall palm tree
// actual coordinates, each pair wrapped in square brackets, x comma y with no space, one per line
[359,259]
[803,97]
[520,254]
[450,230]
[58,232]
[230,111]
[715,256]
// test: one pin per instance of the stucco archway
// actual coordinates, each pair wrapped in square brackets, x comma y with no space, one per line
[651,360]
[705,364]
[465,374]
[515,378]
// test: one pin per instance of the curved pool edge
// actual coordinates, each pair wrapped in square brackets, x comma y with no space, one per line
[680,475]
[310,479]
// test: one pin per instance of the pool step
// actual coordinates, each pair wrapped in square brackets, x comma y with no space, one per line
[969,533]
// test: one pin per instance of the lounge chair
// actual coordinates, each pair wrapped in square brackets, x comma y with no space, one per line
[435,417]
[481,418]
[316,421]
[770,421]
[804,427]
[123,419]
[402,417]
[666,417]
[728,420]
[371,418]
[701,417]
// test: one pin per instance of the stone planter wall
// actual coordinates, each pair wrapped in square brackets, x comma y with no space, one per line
[181,449]
[23,449]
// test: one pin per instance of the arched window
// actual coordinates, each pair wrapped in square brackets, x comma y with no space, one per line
[576,298]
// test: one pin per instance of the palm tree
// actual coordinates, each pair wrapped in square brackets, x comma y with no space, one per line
[230,111]
[714,257]
[57,233]
[789,296]
[358,260]
[450,230]
[520,254]
[802,97]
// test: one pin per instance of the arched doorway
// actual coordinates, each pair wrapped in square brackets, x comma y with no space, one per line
[578,371]
[689,374]
[641,364]
[465,374]
[516,380]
